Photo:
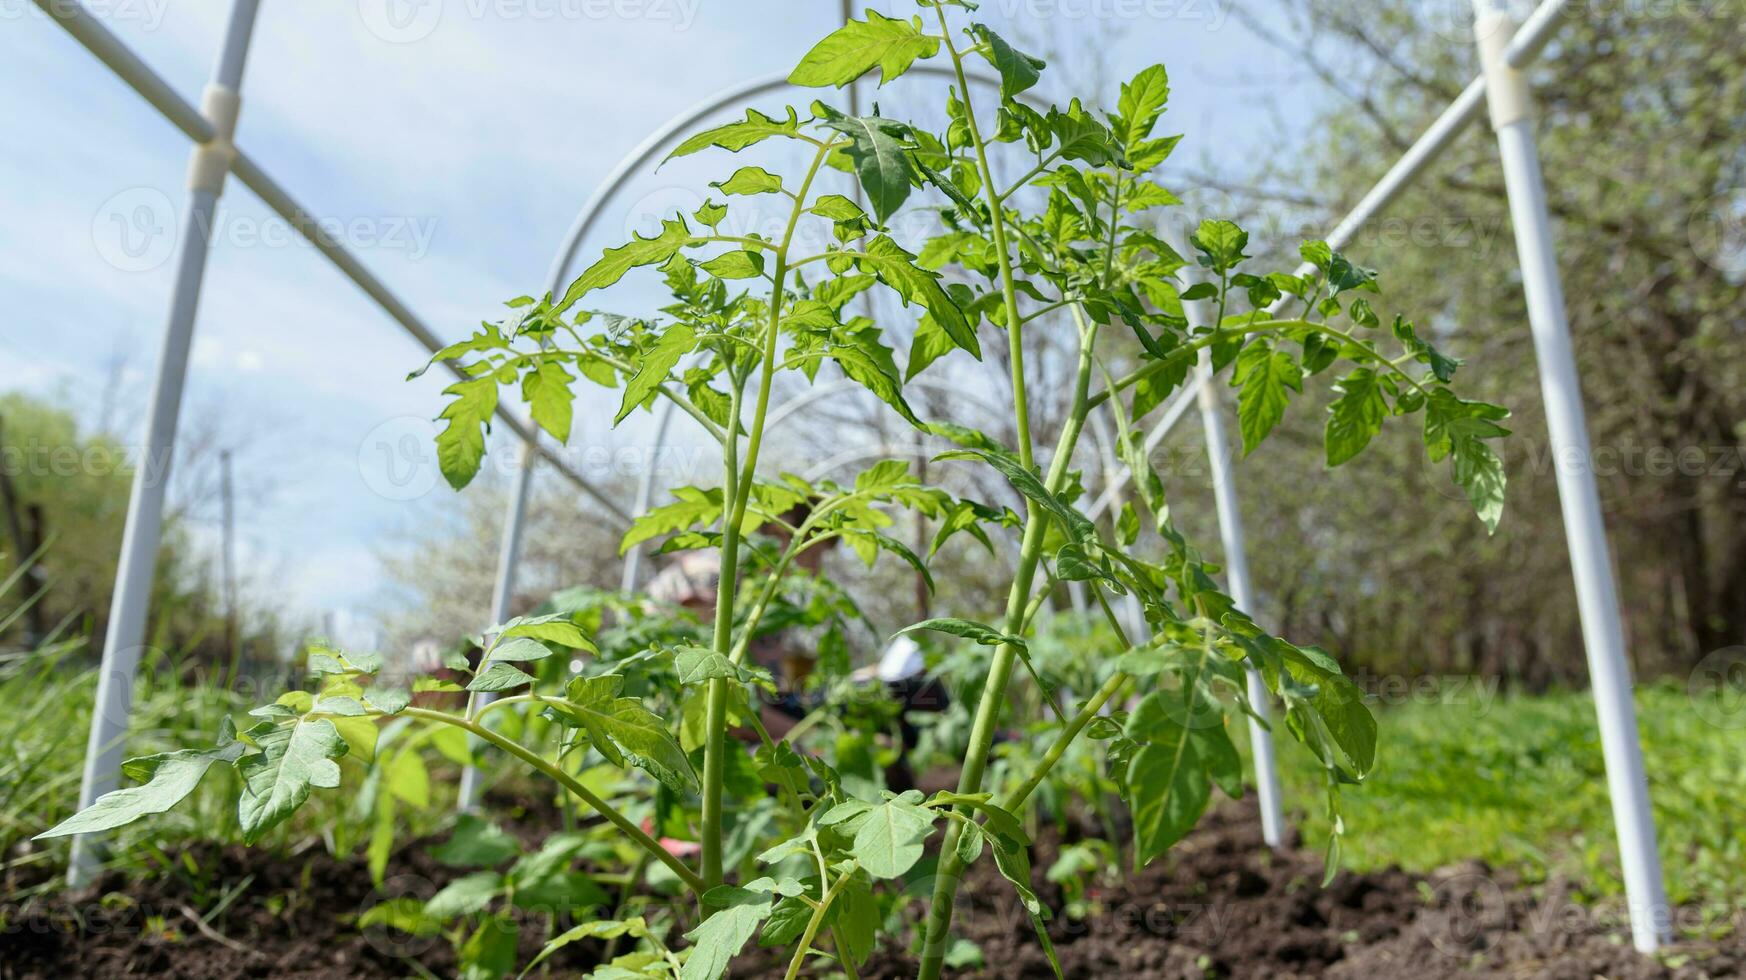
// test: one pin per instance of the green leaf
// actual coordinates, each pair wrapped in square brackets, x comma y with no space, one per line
[489,954]
[736,136]
[897,269]
[879,160]
[694,507]
[1266,376]
[654,367]
[556,628]
[1355,417]
[981,633]
[719,938]
[1168,788]
[748,181]
[1220,244]
[888,838]
[623,730]
[500,677]
[276,780]
[1442,366]
[1456,428]
[388,700]
[615,262]
[1141,103]
[836,207]
[169,777]
[929,344]
[874,372]
[855,48]
[1014,864]
[634,927]
[737,264]
[546,389]
[1018,71]
[476,843]
[465,895]
[1077,525]
[1338,706]
[461,444]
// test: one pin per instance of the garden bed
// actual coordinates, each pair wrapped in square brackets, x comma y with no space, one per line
[1218,905]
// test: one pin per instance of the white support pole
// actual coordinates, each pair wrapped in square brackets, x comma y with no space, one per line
[1237,576]
[502,595]
[1585,532]
[145,509]
[1218,454]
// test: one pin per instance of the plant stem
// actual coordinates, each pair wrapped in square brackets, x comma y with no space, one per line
[993,697]
[564,779]
[813,924]
[740,477]
[716,693]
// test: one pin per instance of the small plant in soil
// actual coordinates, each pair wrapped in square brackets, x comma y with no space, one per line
[1042,220]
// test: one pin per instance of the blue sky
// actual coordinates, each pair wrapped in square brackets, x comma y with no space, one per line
[453,144]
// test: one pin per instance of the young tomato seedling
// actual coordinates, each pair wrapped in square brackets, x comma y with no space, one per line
[1044,222]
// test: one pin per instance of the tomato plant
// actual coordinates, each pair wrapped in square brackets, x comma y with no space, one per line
[1063,245]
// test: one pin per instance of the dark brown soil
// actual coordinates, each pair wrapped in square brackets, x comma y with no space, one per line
[1220,905]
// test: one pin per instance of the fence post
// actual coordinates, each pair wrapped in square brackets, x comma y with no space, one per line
[1590,560]
[128,606]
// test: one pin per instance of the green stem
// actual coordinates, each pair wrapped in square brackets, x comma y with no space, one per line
[564,779]
[716,693]
[736,496]
[813,924]
[993,697]
[1193,347]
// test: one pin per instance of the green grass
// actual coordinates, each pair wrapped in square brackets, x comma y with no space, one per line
[1518,782]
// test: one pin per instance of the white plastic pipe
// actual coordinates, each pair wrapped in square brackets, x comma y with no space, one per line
[502,597]
[1218,454]
[96,38]
[143,530]
[1585,532]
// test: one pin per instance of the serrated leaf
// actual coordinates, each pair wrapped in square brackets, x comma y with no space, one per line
[855,48]
[623,730]
[1026,482]
[737,264]
[654,367]
[169,777]
[888,838]
[736,136]
[879,160]
[546,389]
[461,443]
[748,181]
[1266,376]
[968,629]
[719,938]
[897,269]
[292,759]
[1168,789]
[1355,417]
[500,677]
[1142,102]
[615,262]
[1018,71]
